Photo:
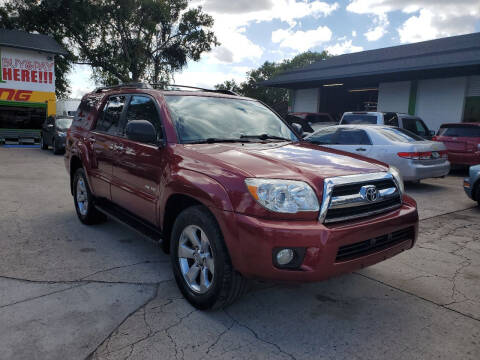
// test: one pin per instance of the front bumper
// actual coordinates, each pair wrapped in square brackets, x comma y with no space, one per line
[417,171]
[251,242]
[464,158]
[60,141]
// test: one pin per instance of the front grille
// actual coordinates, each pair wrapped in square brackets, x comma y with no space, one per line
[348,189]
[370,246]
[348,200]
[340,214]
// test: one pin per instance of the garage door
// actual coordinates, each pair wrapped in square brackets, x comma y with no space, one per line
[306,100]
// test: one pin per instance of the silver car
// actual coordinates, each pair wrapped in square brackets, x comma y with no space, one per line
[415,157]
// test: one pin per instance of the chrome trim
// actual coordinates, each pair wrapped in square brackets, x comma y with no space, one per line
[365,214]
[330,183]
[357,199]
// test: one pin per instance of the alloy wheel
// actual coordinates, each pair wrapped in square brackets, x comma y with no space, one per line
[195,257]
[82,197]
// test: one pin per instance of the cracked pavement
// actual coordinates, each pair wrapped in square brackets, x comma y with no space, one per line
[104,292]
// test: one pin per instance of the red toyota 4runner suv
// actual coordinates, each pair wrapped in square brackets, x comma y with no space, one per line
[231,191]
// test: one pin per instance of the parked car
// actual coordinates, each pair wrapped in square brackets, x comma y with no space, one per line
[471,184]
[311,122]
[415,157]
[231,191]
[408,122]
[54,132]
[462,141]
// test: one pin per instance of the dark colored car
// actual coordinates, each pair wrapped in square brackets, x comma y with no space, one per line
[54,132]
[231,191]
[310,122]
[471,184]
[462,141]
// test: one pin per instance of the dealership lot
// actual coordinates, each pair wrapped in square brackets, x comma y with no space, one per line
[104,292]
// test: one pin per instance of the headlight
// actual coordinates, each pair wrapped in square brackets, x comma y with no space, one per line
[61,133]
[398,178]
[283,196]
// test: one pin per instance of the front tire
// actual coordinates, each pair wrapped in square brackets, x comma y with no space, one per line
[56,149]
[84,200]
[200,261]
[43,145]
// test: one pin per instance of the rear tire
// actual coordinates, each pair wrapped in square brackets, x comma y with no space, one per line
[204,255]
[84,200]
[477,194]
[56,150]
[43,146]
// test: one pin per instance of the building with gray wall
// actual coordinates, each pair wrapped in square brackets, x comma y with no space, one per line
[438,80]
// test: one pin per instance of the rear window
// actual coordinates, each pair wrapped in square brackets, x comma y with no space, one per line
[359,119]
[400,135]
[460,131]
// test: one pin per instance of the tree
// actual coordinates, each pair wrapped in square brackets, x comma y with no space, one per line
[276,98]
[123,40]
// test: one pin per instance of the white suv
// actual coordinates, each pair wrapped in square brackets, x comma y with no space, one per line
[404,121]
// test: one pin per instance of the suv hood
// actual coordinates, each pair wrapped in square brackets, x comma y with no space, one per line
[300,161]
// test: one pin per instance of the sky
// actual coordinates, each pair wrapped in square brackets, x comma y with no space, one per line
[254,31]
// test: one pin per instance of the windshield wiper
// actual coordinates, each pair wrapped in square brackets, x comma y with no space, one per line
[214,140]
[264,137]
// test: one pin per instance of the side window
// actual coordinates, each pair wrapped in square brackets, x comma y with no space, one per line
[353,137]
[324,137]
[143,108]
[391,119]
[109,120]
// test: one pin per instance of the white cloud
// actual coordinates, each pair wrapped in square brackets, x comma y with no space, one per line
[302,40]
[377,32]
[232,18]
[343,48]
[208,79]
[430,18]
[354,33]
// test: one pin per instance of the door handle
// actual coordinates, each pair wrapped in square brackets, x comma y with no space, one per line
[117,147]
[90,140]
[361,149]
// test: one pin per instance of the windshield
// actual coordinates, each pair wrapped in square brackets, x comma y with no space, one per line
[460,131]
[400,135]
[63,123]
[199,118]
[359,119]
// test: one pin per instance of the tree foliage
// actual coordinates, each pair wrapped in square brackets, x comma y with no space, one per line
[276,98]
[123,40]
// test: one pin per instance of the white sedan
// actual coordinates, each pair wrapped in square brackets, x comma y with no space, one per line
[415,157]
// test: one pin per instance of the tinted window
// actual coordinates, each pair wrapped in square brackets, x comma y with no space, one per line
[198,118]
[460,131]
[318,119]
[359,119]
[416,126]
[325,136]
[400,135]
[352,137]
[390,119]
[143,108]
[109,120]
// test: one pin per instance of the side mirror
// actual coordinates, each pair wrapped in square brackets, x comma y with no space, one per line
[141,131]
[298,129]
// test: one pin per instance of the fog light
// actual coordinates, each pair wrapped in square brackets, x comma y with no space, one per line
[285,256]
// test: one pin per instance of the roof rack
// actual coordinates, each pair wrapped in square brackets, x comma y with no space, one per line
[219,91]
[138,85]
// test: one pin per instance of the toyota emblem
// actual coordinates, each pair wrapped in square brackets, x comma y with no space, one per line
[369,192]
